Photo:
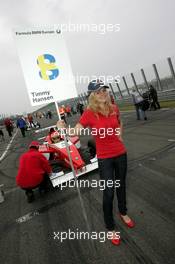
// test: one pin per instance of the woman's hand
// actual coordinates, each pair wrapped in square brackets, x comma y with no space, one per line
[75,131]
[61,124]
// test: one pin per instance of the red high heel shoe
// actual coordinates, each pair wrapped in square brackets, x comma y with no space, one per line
[116,241]
[129,224]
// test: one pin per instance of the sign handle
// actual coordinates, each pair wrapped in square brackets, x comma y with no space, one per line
[75,178]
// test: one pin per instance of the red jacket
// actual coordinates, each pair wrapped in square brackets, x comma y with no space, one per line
[7,122]
[105,131]
[30,118]
[32,167]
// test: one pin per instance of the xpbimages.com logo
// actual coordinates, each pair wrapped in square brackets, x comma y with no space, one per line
[102,236]
[48,68]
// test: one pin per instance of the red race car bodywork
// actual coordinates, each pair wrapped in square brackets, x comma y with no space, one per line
[57,154]
[60,153]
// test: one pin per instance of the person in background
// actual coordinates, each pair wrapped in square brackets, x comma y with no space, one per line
[33,172]
[40,115]
[138,102]
[2,135]
[9,126]
[68,111]
[73,109]
[21,123]
[30,119]
[49,114]
[62,112]
[80,108]
[111,152]
[153,97]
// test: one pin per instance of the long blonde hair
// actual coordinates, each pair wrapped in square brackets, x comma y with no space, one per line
[95,105]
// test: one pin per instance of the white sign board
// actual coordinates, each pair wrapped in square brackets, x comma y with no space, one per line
[45,64]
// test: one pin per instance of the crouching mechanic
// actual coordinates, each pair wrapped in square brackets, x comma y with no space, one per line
[33,171]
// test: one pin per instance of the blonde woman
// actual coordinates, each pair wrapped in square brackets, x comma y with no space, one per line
[102,115]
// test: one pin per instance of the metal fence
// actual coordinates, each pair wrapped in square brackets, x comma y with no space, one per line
[161,75]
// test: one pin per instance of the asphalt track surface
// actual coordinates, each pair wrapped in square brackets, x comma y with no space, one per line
[27,230]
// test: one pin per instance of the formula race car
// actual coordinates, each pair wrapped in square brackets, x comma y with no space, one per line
[54,148]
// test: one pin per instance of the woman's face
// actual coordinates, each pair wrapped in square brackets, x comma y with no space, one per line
[102,95]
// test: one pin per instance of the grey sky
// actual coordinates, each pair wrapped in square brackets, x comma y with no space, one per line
[146,36]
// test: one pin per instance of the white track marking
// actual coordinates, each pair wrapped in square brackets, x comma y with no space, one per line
[27,217]
[11,190]
[8,146]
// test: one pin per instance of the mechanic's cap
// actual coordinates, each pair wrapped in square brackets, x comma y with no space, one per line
[96,85]
[34,144]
